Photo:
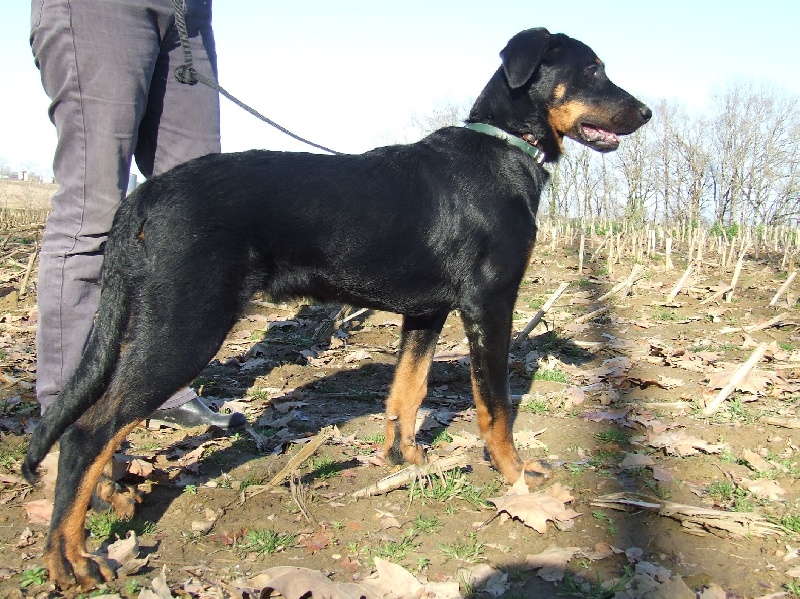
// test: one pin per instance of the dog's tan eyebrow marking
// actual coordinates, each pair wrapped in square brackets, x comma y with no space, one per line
[560,90]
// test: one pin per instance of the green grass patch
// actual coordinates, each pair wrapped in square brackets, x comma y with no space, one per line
[663,315]
[378,438]
[791,522]
[423,524]
[612,435]
[324,467]
[394,551]
[265,542]
[734,499]
[467,550]
[451,485]
[34,576]
[106,525]
[535,406]
[554,375]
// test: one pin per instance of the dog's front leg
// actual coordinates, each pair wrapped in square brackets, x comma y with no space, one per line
[410,385]
[488,331]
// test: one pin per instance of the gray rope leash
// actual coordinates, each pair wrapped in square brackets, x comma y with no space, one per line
[187,75]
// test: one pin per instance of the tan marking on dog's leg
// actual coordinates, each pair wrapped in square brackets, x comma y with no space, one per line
[409,387]
[495,430]
[69,539]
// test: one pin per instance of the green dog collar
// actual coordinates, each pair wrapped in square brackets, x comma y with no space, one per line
[523,145]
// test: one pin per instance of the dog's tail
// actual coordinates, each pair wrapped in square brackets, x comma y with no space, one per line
[101,353]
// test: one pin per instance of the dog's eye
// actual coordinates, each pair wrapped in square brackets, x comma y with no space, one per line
[593,70]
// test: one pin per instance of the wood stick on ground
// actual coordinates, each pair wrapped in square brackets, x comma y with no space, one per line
[696,520]
[523,334]
[590,315]
[625,284]
[24,285]
[300,494]
[736,272]
[322,436]
[677,289]
[783,288]
[599,249]
[737,378]
[352,316]
[716,296]
[406,475]
[668,262]
[784,422]
[766,324]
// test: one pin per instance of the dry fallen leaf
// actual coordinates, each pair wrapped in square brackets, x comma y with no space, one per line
[485,578]
[535,509]
[391,577]
[528,440]
[637,460]
[39,511]
[763,488]
[295,583]
[755,382]
[756,462]
[680,443]
[463,439]
[316,542]
[125,549]
[160,588]
[552,562]
[573,396]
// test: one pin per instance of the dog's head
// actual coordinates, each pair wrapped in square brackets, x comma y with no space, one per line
[556,86]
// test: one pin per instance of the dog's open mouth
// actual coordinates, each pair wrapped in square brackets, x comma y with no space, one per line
[598,139]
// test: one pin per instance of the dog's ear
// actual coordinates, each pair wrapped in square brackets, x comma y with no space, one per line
[523,54]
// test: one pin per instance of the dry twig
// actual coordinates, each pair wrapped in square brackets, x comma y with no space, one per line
[783,288]
[406,475]
[697,520]
[737,378]
[538,317]
[677,289]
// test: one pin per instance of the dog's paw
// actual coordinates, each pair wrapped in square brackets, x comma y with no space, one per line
[84,570]
[412,454]
[111,495]
[536,473]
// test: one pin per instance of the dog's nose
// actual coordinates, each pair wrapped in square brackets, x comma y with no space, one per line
[646,113]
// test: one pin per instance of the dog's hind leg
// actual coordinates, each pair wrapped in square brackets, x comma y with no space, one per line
[85,449]
[488,330]
[410,384]
[156,362]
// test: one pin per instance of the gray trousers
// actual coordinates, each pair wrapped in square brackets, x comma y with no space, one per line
[107,66]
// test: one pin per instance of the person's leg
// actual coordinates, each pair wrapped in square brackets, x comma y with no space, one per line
[96,61]
[181,122]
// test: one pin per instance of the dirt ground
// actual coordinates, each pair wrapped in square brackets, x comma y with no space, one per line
[613,405]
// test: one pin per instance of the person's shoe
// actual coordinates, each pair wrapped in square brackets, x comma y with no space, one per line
[195,413]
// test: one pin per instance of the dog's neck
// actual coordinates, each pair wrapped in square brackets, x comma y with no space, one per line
[527,143]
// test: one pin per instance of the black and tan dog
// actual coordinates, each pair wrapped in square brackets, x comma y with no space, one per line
[444,224]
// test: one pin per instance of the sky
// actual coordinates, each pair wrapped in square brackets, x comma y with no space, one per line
[350,74]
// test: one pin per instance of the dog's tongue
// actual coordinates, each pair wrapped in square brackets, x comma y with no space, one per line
[596,134]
